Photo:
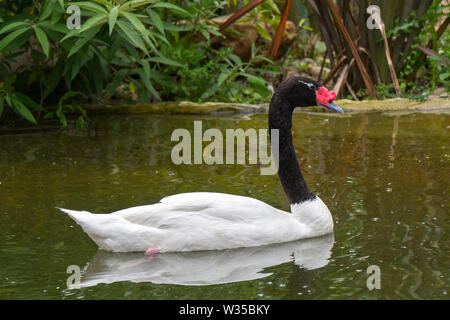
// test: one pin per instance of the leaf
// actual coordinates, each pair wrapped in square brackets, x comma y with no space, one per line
[21,109]
[57,15]
[444,76]
[104,2]
[156,20]
[167,61]
[62,117]
[67,95]
[82,41]
[112,18]
[43,40]
[47,9]
[53,79]
[118,77]
[236,59]
[222,77]
[169,5]
[172,27]
[146,68]
[263,32]
[11,26]
[27,101]
[132,4]
[135,22]
[253,79]
[71,34]
[148,84]
[10,37]
[75,66]
[131,36]
[92,22]
[90,6]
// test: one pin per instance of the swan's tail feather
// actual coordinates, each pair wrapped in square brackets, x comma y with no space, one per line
[92,224]
[78,216]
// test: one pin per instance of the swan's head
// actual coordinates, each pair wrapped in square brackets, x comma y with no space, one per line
[304,92]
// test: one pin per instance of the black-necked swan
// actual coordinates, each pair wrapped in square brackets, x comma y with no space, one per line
[213,221]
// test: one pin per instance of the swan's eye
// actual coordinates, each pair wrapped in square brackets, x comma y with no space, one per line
[308,84]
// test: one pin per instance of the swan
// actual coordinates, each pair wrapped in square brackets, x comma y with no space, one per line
[201,221]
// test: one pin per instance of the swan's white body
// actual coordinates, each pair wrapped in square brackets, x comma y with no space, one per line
[203,221]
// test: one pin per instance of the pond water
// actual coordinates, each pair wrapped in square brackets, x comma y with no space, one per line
[384,177]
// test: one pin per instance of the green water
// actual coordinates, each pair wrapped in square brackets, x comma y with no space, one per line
[384,177]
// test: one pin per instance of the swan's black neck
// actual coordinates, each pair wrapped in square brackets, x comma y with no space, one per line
[294,185]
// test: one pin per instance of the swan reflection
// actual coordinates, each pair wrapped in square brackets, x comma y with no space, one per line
[205,267]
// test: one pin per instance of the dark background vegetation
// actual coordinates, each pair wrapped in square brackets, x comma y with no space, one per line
[145,51]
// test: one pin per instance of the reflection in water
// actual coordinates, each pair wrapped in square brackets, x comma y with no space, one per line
[206,267]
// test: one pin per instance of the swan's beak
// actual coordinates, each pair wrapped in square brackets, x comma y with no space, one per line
[333,107]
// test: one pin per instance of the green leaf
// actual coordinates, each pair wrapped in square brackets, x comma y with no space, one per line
[67,95]
[58,27]
[169,5]
[112,18]
[71,34]
[444,76]
[21,109]
[117,79]
[62,117]
[132,4]
[90,6]
[148,84]
[75,66]
[82,41]
[263,32]
[131,35]
[156,20]
[53,78]
[135,22]
[10,37]
[43,40]
[57,15]
[47,9]
[105,3]
[167,61]
[223,76]
[27,101]
[92,22]
[11,26]
[146,68]
[236,59]
[254,79]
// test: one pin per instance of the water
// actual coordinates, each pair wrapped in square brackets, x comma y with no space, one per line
[384,177]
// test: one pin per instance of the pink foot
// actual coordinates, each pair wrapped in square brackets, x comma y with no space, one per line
[151,251]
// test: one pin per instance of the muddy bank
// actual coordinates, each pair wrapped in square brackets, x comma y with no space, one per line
[217,108]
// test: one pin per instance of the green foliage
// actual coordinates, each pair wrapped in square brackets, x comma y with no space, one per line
[420,73]
[155,50]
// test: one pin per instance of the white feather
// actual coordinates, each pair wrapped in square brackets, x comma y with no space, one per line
[203,221]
